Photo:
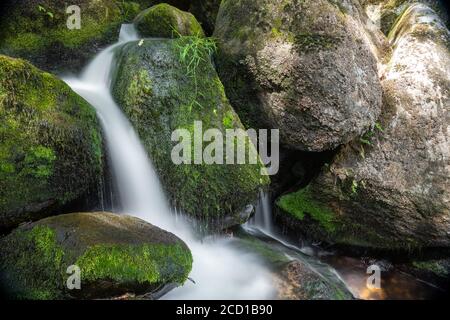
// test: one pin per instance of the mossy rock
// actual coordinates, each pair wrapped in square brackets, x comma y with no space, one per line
[37,31]
[306,68]
[309,213]
[116,254]
[159,95]
[166,21]
[50,144]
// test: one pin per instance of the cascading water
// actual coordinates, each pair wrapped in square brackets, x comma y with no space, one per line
[219,271]
[263,216]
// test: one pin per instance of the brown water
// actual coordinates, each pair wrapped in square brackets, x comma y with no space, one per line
[395,284]
[352,272]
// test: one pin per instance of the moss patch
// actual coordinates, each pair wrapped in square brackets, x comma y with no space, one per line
[31,264]
[315,42]
[37,31]
[50,146]
[166,21]
[154,264]
[300,203]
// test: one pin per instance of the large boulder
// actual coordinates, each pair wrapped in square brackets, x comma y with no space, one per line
[50,144]
[304,67]
[37,31]
[166,21]
[160,92]
[391,189]
[115,254]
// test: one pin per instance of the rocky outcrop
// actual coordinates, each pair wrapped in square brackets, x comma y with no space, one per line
[165,85]
[304,67]
[165,21]
[37,31]
[391,189]
[50,146]
[115,254]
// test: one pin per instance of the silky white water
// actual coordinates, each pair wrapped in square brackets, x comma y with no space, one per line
[219,270]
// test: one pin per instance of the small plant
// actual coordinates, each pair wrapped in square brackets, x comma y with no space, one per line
[194,50]
[379,127]
[45,11]
[354,187]
[367,138]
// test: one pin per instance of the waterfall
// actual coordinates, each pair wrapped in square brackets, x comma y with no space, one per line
[263,219]
[219,270]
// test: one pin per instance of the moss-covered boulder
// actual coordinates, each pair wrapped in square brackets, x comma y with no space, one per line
[37,31]
[160,90]
[390,189]
[50,144]
[115,254]
[166,21]
[304,67]
[206,12]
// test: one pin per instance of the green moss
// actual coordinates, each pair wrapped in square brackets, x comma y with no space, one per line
[31,264]
[40,161]
[37,34]
[228,120]
[166,21]
[300,203]
[434,266]
[50,146]
[128,9]
[315,42]
[270,255]
[154,264]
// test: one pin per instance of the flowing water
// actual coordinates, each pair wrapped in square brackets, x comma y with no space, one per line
[221,269]
[339,269]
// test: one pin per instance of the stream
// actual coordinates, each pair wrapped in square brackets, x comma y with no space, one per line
[223,267]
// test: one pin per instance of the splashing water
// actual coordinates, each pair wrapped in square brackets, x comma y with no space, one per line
[219,270]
